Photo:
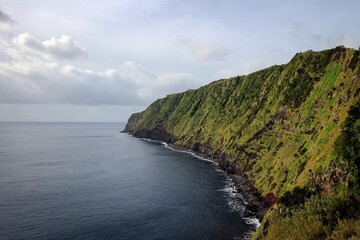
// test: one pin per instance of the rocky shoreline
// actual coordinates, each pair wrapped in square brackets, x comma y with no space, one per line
[255,205]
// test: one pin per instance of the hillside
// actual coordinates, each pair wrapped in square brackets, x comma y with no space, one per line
[293,130]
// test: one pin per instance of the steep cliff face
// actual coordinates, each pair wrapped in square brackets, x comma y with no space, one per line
[287,128]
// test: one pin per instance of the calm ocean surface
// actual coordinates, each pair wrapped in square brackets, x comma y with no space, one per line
[88,181]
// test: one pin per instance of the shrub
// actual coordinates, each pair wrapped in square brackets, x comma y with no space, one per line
[347,229]
[297,227]
[295,197]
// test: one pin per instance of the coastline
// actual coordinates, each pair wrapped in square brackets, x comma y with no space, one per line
[255,206]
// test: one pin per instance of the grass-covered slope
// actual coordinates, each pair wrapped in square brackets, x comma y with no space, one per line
[293,130]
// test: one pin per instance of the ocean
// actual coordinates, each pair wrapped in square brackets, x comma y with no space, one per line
[89,181]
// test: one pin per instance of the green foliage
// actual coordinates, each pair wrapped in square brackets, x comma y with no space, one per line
[348,143]
[320,217]
[297,227]
[293,129]
[295,197]
[347,229]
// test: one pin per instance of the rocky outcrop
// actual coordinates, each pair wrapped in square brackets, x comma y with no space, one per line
[158,133]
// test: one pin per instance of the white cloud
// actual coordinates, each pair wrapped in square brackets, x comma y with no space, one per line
[203,52]
[151,86]
[245,68]
[166,84]
[62,48]
[6,22]
[133,70]
[26,77]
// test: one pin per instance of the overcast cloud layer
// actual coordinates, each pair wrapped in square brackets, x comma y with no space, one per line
[108,59]
[34,73]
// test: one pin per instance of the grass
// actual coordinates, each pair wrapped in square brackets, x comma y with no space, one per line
[279,126]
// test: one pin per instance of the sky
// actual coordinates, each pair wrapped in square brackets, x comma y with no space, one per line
[100,61]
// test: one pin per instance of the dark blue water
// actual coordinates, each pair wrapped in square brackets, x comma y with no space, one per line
[88,181]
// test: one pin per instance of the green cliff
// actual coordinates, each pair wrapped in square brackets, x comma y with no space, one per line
[293,130]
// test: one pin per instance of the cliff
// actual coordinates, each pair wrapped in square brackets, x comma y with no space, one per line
[292,130]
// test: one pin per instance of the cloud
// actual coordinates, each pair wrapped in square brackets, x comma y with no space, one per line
[28,78]
[6,22]
[62,48]
[166,84]
[202,52]
[152,86]
[245,68]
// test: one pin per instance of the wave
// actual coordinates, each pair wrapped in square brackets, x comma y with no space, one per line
[182,151]
[235,200]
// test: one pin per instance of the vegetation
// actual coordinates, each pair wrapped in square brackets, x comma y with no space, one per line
[293,130]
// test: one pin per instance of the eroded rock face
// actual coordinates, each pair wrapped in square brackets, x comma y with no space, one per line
[158,133]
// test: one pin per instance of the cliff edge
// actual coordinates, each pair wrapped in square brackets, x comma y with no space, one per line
[292,131]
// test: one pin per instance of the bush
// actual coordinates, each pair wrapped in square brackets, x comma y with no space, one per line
[295,198]
[321,217]
[299,227]
[348,143]
[347,229]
